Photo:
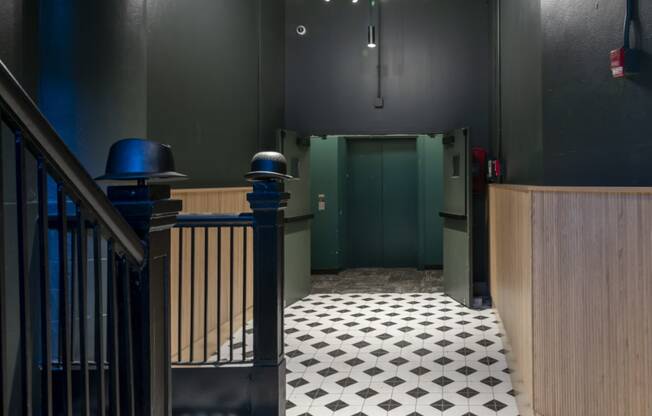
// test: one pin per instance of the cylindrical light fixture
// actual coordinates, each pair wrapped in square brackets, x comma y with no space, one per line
[371,36]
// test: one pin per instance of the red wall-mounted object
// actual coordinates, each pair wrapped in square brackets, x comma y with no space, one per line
[624,62]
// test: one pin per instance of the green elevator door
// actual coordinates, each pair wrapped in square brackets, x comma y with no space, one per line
[382,203]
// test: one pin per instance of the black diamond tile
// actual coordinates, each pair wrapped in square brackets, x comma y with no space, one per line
[300,319]
[469,414]
[310,362]
[442,405]
[294,353]
[507,371]
[291,331]
[367,330]
[492,381]
[368,392]
[373,371]
[337,319]
[481,317]
[298,382]
[361,344]
[289,404]
[317,393]
[383,336]
[379,352]
[424,335]
[320,345]
[488,361]
[336,405]
[389,405]
[466,370]
[445,310]
[327,372]
[418,392]
[495,405]
[467,392]
[357,315]
[336,353]
[373,319]
[346,382]
[406,329]
[442,381]
[410,318]
[445,318]
[305,337]
[443,361]
[463,322]
[482,328]
[354,361]
[444,328]
[344,337]
[402,344]
[443,343]
[329,330]
[398,361]
[420,371]
[485,342]
[463,335]
[512,393]
[389,323]
[465,351]
[394,381]
[314,324]
[422,351]
[352,324]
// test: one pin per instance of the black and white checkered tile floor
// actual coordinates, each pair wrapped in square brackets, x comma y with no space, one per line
[394,354]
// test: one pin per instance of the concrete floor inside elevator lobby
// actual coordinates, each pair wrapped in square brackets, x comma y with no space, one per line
[397,346]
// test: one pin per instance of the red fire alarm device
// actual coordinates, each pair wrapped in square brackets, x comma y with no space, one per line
[624,62]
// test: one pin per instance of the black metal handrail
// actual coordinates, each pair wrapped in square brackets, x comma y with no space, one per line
[62,303]
[223,230]
[20,113]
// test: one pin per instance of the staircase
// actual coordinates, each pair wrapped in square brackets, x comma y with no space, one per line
[86,305]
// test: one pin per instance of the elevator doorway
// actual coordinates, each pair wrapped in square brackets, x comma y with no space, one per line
[382,203]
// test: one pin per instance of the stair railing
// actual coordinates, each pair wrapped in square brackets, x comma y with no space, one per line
[83,278]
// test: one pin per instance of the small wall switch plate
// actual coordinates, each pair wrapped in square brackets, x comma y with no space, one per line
[379,103]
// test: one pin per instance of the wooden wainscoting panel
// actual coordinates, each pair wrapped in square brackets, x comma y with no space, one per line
[205,276]
[511,281]
[592,304]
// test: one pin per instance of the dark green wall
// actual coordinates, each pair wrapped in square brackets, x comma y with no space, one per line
[215,83]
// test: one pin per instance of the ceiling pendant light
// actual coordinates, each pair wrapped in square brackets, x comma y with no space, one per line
[371,36]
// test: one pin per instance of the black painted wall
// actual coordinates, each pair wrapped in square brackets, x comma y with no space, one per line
[18,40]
[215,83]
[92,74]
[520,91]
[597,130]
[435,62]
[565,120]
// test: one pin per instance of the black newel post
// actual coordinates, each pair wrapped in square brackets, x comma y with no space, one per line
[147,207]
[268,201]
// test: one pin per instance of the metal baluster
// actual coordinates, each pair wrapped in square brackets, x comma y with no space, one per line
[65,312]
[3,332]
[192,294]
[205,294]
[99,322]
[46,338]
[244,293]
[26,356]
[126,344]
[82,291]
[180,301]
[231,296]
[219,293]
[112,332]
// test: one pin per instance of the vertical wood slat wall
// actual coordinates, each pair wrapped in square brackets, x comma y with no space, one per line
[210,201]
[587,332]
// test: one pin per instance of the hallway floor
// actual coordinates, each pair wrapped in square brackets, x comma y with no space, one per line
[379,280]
[394,354]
